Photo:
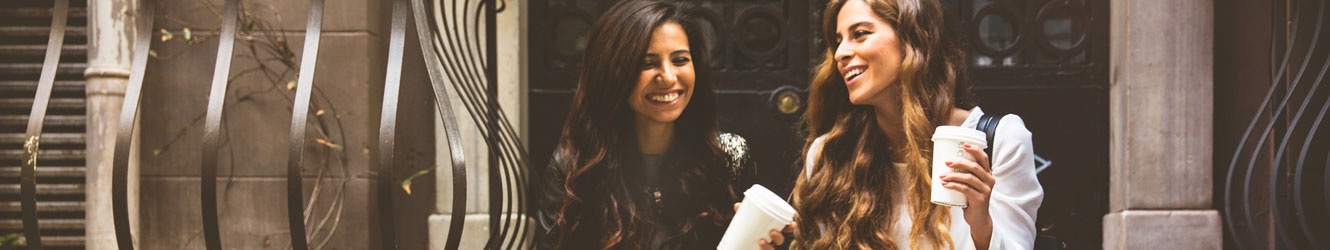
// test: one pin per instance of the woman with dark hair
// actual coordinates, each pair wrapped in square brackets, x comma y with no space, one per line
[641,164]
[890,75]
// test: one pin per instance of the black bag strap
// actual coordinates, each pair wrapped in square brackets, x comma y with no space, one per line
[988,123]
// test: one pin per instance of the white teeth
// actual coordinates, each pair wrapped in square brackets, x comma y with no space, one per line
[665,97]
[853,73]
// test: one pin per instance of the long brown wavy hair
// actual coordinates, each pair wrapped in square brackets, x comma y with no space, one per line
[604,207]
[853,188]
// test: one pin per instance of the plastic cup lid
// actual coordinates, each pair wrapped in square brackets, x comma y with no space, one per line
[961,134]
[769,202]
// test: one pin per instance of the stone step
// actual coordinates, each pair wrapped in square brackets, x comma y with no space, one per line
[41,31]
[43,154]
[40,49]
[35,69]
[47,139]
[44,224]
[43,206]
[55,104]
[44,189]
[51,120]
[31,86]
[45,171]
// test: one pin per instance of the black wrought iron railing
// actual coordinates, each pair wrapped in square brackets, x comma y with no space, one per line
[1277,188]
[455,52]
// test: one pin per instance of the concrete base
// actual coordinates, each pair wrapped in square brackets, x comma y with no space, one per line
[476,231]
[1163,229]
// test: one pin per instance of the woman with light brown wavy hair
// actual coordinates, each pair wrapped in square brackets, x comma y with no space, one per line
[891,74]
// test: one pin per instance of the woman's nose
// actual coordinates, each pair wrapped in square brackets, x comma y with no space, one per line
[843,53]
[668,75]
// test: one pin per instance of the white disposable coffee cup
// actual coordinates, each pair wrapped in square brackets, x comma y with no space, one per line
[761,212]
[948,145]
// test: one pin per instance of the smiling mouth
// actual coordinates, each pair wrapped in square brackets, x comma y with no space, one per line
[853,74]
[664,98]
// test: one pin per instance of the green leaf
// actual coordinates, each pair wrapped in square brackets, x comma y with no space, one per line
[188,36]
[156,152]
[406,184]
[152,53]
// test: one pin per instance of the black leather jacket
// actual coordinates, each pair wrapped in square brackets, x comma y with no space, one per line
[552,186]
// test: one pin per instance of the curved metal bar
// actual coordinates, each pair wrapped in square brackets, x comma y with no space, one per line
[125,132]
[1276,187]
[388,124]
[425,32]
[295,211]
[212,126]
[28,173]
[1298,205]
[1246,187]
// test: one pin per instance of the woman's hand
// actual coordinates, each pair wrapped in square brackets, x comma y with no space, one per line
[975,180]
[776,237]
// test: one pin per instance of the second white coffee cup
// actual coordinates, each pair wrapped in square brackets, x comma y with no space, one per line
[761,212]
[948,145]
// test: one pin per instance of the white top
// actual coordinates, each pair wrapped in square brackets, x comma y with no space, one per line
[1015,199]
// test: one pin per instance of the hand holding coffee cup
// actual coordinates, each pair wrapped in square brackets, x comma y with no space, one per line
[777,237]
[962,176]
[755,222]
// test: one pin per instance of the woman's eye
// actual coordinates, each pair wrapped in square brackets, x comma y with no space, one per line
[681,61]
[648,64]
[860,33]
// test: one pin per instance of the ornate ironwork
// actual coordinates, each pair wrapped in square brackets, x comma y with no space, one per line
[1298,221]
[454,51]
[28,178]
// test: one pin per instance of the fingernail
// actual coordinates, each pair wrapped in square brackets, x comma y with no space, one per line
[948,163]
[967,145]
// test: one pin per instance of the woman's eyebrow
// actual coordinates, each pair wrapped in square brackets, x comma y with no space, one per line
[682,51]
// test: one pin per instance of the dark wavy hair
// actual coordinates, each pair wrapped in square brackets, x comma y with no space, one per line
[851,189]
[604,208]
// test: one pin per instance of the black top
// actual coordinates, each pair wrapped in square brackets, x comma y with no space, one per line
[652,172]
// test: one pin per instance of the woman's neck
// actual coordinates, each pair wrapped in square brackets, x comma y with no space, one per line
[890,122]
[653,138]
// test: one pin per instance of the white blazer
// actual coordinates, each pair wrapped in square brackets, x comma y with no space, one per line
[1016,196]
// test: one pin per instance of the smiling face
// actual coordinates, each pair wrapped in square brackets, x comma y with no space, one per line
[868,55]
[666,83]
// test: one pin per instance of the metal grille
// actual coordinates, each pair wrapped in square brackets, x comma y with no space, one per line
[1277,188]
[52,210]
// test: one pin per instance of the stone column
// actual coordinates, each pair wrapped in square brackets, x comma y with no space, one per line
[512,66]
[111,27]
[1162,106]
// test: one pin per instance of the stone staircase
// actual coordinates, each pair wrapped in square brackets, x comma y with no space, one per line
[24,29]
